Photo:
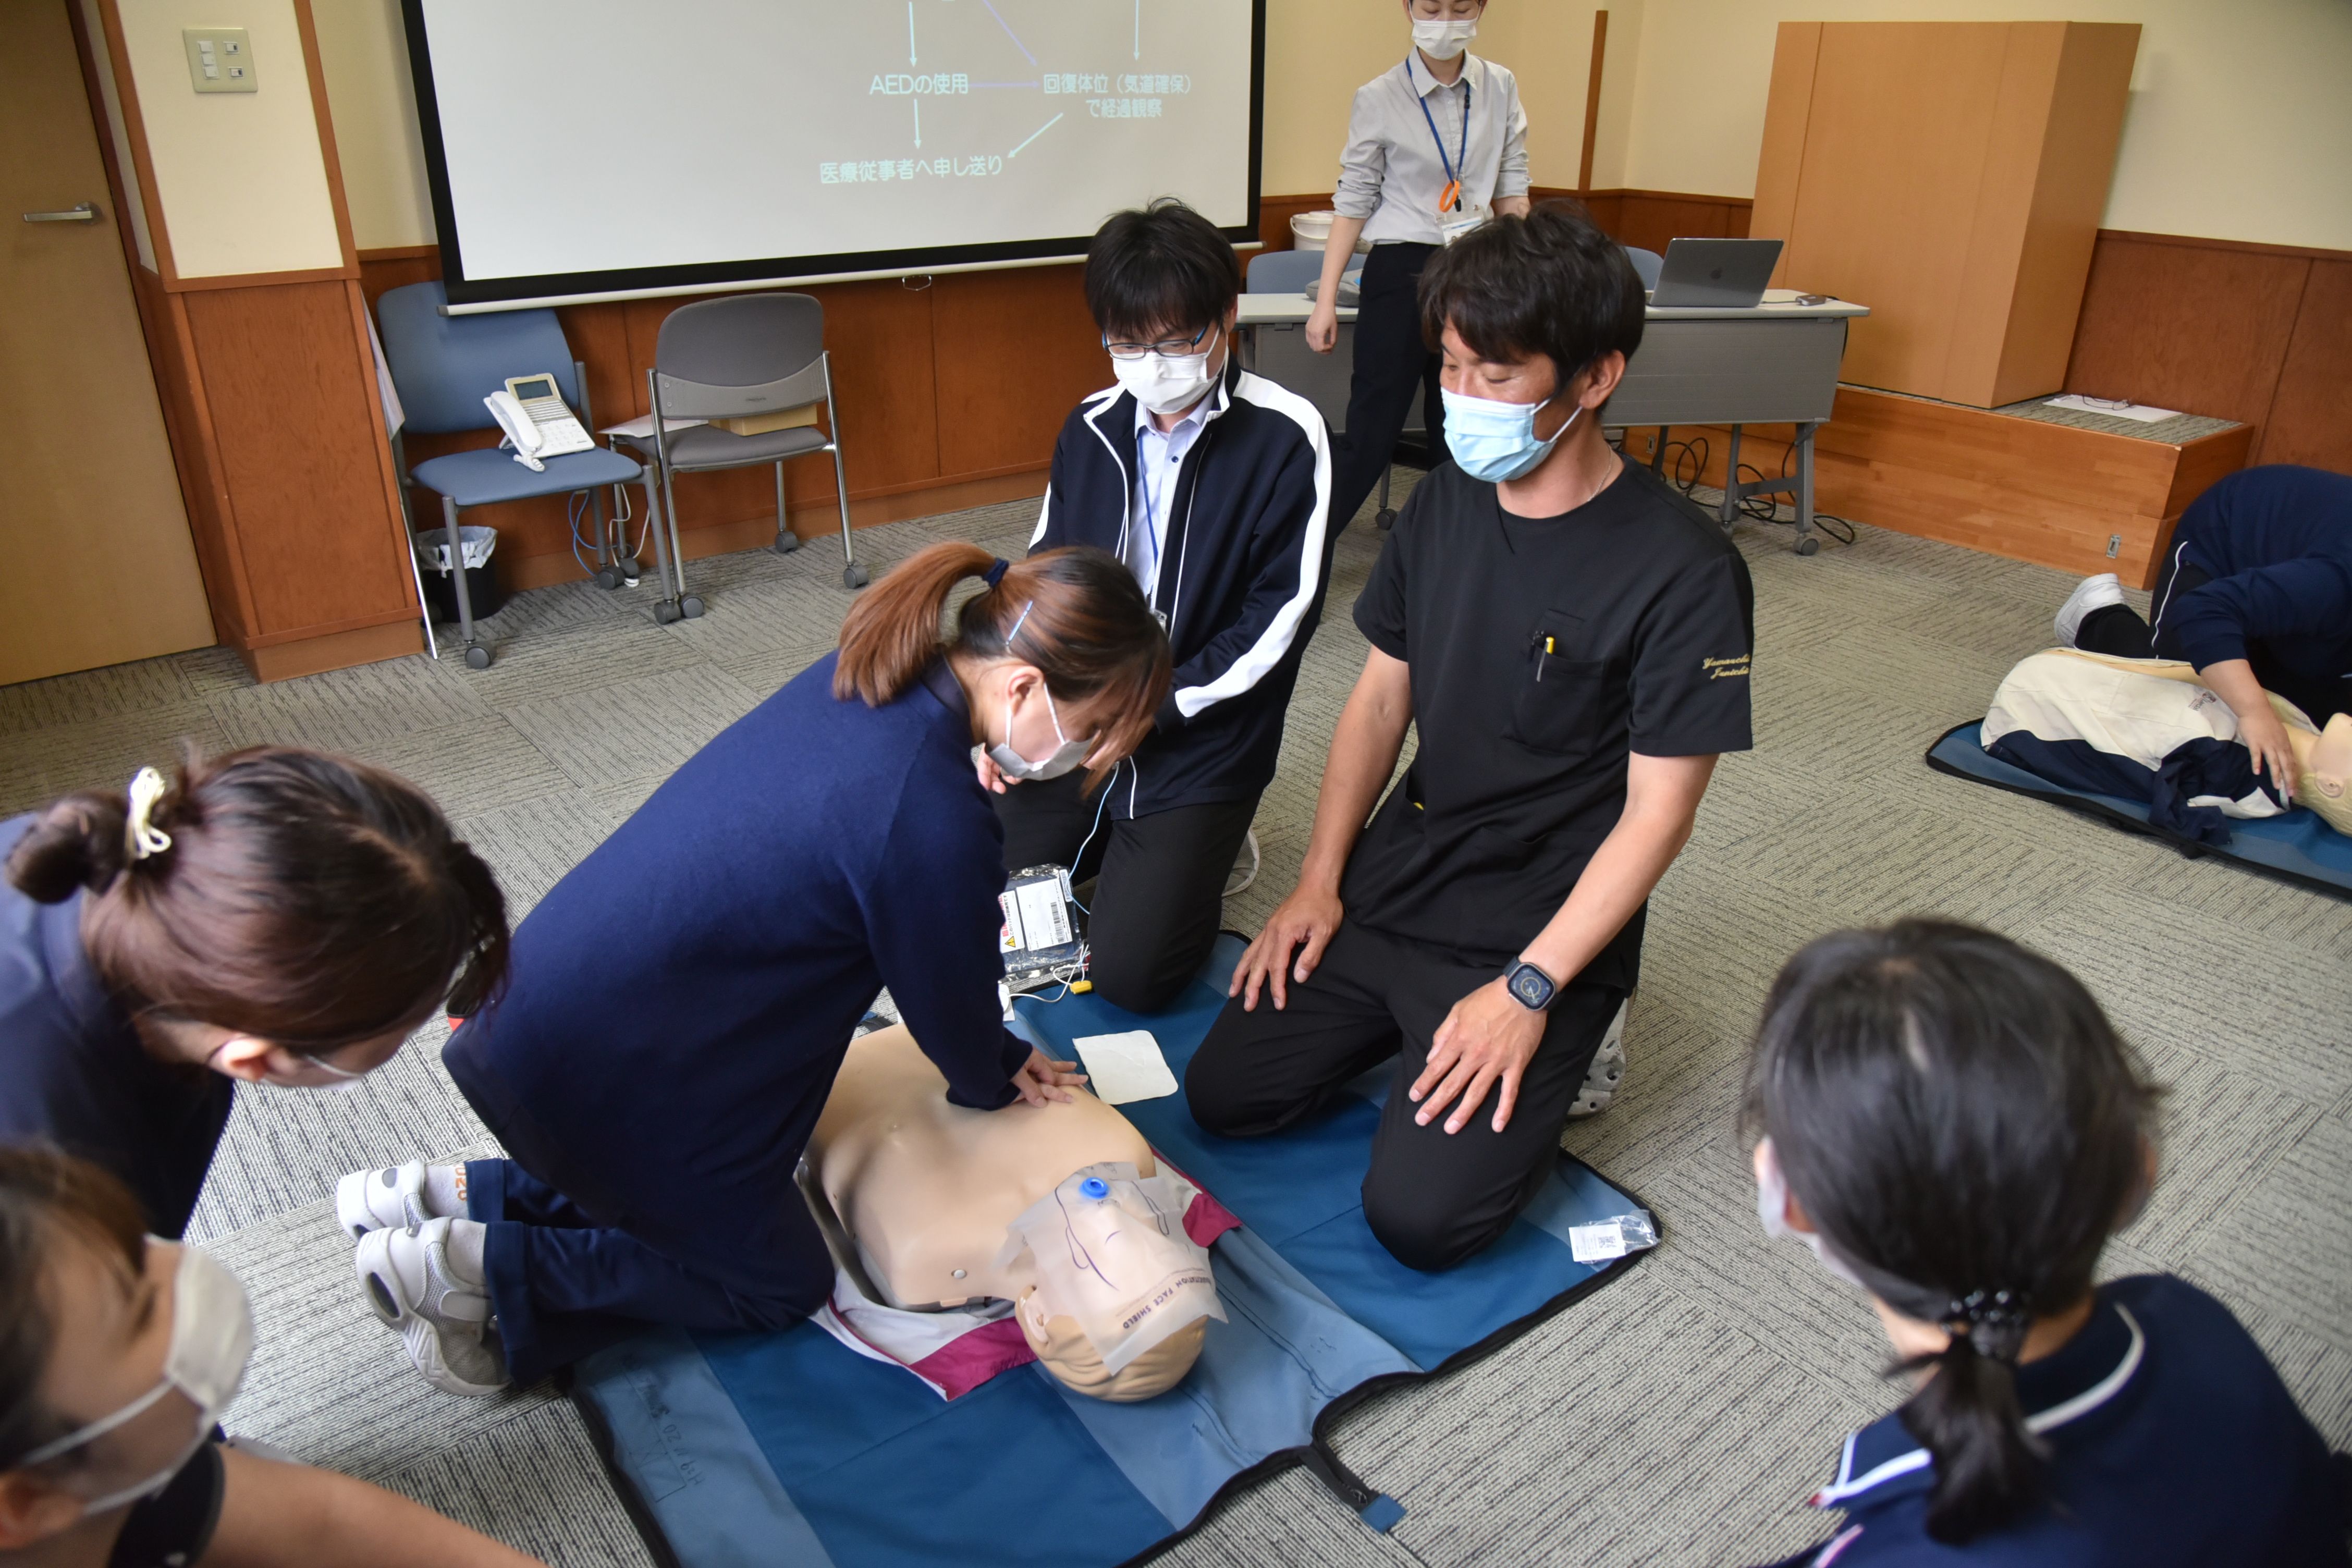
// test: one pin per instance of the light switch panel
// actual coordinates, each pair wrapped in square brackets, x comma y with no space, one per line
[220,59]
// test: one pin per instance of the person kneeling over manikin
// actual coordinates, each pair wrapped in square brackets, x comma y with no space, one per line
[1058,1209]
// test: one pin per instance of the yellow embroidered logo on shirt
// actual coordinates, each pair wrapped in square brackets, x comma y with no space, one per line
[1724,669]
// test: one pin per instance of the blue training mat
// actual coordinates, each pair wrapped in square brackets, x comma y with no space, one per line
[2295,847]
[789,1448]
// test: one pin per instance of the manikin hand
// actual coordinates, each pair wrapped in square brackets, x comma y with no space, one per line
[1310,916]
[2265,737]
[1323,326]
[1042,1078]
[1487,1040]
[991,777]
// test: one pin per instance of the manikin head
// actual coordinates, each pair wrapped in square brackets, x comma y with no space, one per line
[2324,770]
[1123,1295]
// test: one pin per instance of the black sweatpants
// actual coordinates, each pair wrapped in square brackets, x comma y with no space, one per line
[1392,363]
[1432,1197]
[2118,630]
[1159,901]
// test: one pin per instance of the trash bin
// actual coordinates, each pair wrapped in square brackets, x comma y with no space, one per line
[477,544]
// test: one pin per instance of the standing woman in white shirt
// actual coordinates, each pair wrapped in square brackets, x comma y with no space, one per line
[1436,146]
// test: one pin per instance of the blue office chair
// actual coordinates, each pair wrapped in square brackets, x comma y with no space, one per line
[1290,271]
[1647,263]
[443,367]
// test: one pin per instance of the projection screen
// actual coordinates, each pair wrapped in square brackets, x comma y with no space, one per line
[587,148]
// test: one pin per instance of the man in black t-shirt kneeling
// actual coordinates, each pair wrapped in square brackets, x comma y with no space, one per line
[1572,639]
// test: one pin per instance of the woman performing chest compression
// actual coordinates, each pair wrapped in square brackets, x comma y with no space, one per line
[1436,145]
[680,1003]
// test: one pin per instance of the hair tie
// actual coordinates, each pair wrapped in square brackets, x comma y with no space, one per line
[141,836]
[995,574]
[1999,1312]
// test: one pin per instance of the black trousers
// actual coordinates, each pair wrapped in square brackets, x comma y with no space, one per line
[1391,363]
[2118,630]
[1434,1198]
[1159,901]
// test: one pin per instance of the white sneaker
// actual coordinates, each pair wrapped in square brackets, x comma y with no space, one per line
[443,1321]
[1608,1069]
[371,1200]
[2090,594]
[1237,880]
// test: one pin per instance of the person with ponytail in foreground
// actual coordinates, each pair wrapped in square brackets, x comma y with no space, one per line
[117,1351]
[679,1002]
[276,916]
[1950,1124]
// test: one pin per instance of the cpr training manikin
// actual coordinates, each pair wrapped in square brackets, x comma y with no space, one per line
[1057,1213]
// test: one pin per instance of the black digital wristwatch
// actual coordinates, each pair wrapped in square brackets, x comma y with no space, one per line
[1529,986]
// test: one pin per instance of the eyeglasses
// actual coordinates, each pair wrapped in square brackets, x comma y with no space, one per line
[1164,346]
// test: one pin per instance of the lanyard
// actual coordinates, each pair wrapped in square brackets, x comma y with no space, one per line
[1450,198]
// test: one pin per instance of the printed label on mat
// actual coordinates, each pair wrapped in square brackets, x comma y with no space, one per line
[1604,1239]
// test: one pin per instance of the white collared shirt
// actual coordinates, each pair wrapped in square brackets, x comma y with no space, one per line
[1158,458]
[1391,173]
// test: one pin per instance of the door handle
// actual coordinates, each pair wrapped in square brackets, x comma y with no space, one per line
[80,213]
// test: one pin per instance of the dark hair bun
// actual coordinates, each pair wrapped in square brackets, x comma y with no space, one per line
[77,844]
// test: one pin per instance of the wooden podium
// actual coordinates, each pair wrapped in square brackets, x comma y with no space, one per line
[1952,175]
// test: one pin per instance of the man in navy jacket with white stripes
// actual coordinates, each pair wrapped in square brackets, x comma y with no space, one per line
[1213,486]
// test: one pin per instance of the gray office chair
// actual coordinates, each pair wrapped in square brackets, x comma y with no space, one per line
[1648,264]
[731,357]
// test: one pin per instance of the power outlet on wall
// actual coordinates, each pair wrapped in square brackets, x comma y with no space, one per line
[220,59]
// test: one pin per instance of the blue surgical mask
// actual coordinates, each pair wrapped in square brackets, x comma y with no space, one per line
[1493,440]
[1061,759]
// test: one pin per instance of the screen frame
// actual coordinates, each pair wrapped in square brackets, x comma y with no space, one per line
[554,288]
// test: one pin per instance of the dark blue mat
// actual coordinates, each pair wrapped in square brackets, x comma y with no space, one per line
[2295,847]
[789,1449]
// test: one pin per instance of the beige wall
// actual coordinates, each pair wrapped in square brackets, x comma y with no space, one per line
[2240,125]
[364,54]
[241,178]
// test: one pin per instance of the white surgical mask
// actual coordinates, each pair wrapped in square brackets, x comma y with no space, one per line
[346,1080]
[1064,757]
[1166,383]
[1493,440]
[1442,40]
[1772,1209]
[211,1339]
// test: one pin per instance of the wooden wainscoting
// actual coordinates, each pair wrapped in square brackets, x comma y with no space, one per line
[950,391]
[2261,334]
[2025,488]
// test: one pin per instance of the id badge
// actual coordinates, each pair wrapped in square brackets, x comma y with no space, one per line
[1452,227]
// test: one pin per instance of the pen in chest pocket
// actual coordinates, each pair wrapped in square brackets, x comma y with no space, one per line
[1548,648]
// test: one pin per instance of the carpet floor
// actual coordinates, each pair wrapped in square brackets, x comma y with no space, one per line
[1682,1415]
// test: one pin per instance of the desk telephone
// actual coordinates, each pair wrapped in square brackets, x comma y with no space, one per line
[532,412]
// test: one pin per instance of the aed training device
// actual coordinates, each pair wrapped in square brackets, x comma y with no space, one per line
[1040,938]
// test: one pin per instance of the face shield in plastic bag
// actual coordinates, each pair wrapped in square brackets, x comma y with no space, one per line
[1111,1252]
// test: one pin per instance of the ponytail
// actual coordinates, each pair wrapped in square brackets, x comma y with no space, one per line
[1075,614]
[303,899]
[1968,1417]
[1965,1128]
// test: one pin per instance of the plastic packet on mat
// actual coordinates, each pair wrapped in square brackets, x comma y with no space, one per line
[1603,1239]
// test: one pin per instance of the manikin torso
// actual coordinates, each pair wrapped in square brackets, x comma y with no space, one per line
[924,1189]
[921,1194]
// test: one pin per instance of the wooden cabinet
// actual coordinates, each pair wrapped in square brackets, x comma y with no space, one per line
[1952,175]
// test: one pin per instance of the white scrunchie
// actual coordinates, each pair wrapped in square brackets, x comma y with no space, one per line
[141,836]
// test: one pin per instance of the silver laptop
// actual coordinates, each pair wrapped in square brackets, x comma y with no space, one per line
[1716,274]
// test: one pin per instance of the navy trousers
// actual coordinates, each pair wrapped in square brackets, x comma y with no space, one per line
[1392,362]
[564,1285]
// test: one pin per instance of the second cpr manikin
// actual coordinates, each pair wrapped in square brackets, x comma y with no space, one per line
[1060,1210]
